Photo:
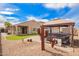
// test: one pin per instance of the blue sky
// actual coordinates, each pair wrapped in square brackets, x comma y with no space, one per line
[21,12]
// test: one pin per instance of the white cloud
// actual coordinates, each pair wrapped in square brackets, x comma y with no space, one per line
[36,18]
[44,15]
[13,20]
[2,6]
[8,7]
[2,19]
[6,12]
[11,9]
[58,5]
[73,14]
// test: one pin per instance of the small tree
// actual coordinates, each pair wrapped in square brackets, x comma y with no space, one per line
[7,25]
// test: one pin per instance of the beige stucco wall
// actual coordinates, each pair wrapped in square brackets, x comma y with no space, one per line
[31,25]
[77,37]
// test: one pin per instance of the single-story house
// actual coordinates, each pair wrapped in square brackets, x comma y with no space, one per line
[28,27]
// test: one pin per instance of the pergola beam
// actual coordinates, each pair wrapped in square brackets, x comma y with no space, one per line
[72,34]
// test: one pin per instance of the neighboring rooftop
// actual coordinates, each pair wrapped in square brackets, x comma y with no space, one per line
[30,21]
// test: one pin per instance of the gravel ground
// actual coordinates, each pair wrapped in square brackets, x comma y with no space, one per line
[19,48]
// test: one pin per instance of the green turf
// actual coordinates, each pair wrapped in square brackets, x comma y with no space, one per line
[16,37]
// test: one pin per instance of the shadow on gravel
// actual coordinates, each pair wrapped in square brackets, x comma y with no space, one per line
[76,43]
[53,53]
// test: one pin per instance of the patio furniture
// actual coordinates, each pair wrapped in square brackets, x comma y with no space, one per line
[29,40]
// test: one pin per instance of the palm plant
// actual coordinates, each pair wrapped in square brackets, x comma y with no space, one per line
[8,25]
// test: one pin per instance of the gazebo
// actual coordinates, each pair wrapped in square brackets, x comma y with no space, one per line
[56,23]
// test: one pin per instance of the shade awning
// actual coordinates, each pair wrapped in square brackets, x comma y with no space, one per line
[59,22]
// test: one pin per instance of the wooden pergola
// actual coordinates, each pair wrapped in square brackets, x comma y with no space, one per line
[56,23]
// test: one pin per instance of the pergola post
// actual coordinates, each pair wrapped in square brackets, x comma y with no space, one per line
[12,29]
[59,29]
[50,32]
[50,36]
[42,38]
[16,29]
[72,35]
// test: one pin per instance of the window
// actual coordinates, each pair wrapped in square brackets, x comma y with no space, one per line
[34,29]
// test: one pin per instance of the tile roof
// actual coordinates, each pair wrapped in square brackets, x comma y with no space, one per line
[58,21]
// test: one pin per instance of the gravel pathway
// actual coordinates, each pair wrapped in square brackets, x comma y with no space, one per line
[19,48]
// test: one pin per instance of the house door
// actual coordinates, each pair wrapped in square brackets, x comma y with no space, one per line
[24,30]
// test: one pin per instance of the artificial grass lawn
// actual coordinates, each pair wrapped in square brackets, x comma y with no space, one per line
[17,37]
